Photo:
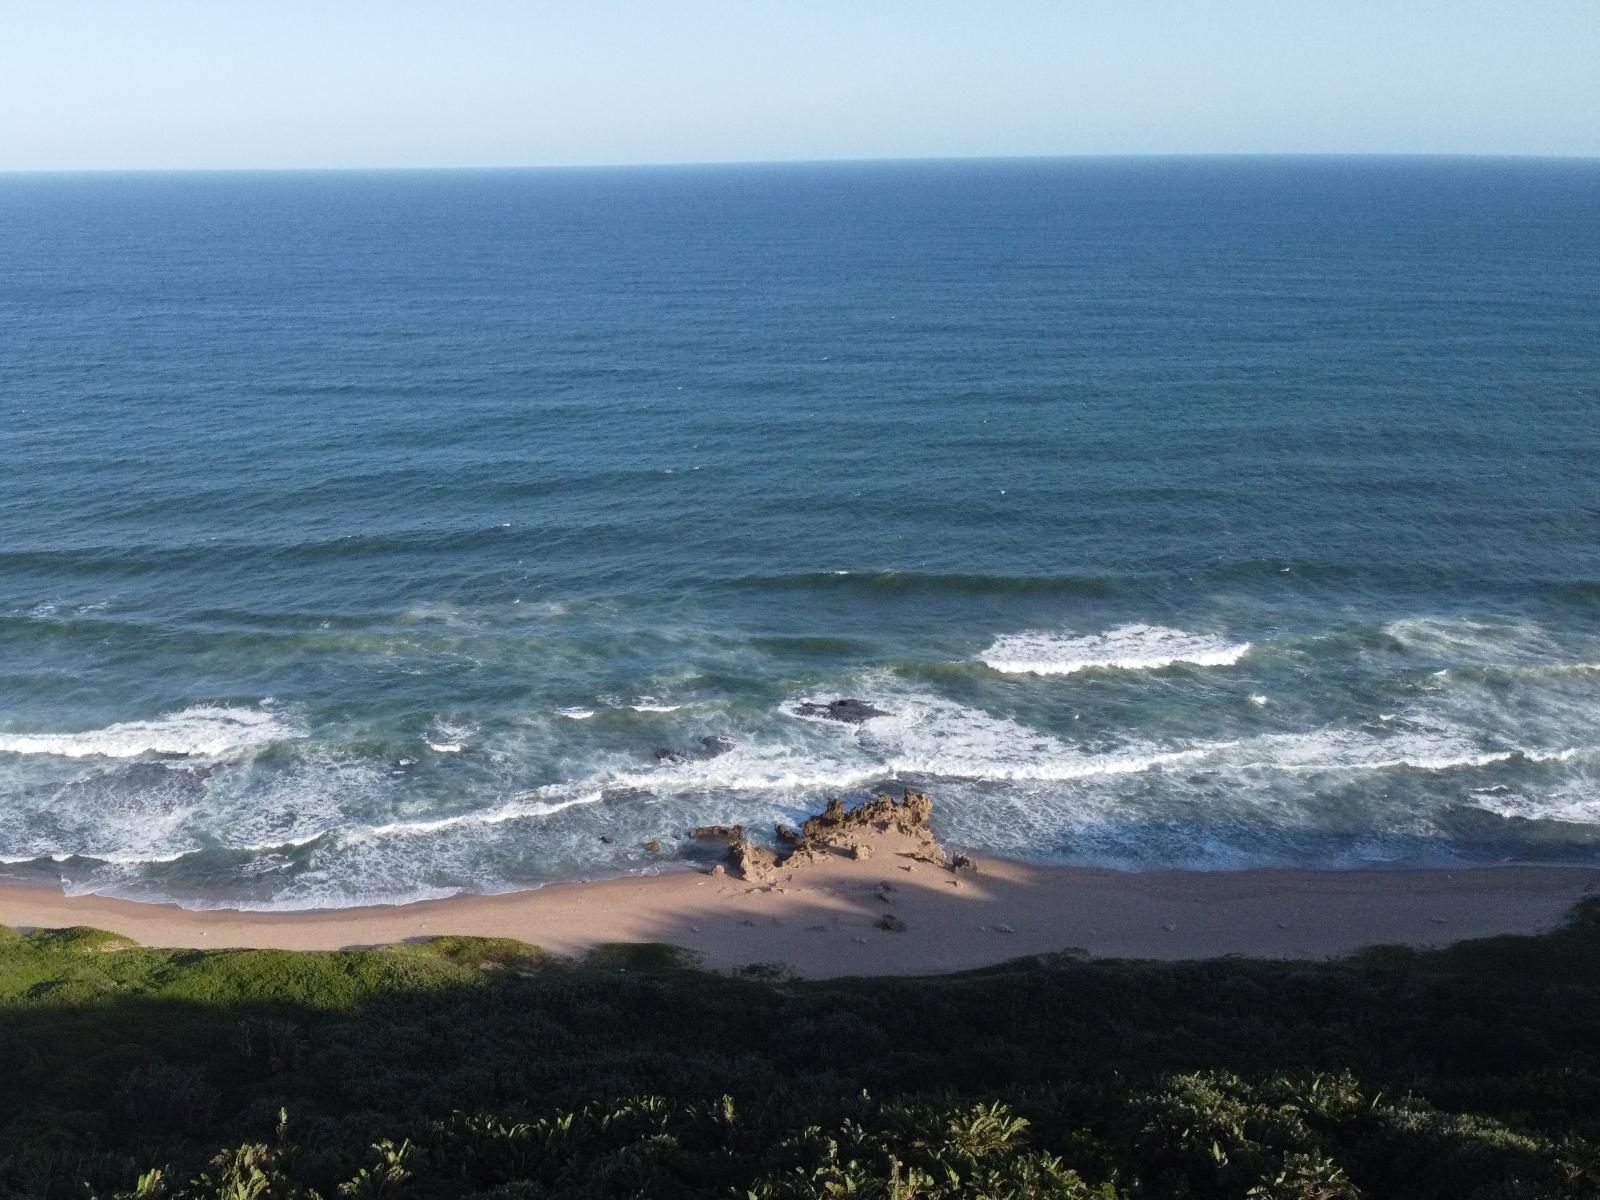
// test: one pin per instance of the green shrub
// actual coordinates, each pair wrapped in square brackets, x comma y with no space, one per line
[484,1067]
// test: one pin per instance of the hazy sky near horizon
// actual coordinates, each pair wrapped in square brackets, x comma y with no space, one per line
[90,84]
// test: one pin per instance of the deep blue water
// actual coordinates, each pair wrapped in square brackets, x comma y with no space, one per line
[363,536]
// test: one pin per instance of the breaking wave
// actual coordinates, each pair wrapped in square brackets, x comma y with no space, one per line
[202,731]
[1127,647]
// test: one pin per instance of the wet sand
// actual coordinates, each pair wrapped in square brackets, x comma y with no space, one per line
[827,918]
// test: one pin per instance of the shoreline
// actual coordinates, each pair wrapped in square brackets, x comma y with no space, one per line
[877,905]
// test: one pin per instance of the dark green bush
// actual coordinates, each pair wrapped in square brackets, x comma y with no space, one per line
[486,1068]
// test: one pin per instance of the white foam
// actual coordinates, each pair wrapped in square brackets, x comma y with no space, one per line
[1127,647]
[1346,750]
[928,735]
[575,713]
[1578,807]
[920,735]
[203,731]
[515,810]
[318,795]
[448,737]
[1509,644]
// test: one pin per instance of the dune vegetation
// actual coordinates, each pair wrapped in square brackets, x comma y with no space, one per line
[463,1066]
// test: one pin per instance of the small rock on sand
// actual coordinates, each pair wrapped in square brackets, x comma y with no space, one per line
[891,923]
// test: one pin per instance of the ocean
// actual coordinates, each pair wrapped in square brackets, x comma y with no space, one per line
[367,537]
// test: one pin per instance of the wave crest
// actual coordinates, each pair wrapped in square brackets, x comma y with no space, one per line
[1127,648]
[201,731]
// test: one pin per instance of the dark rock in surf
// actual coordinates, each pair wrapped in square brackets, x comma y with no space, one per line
[709,747]
[717,833]
[851,712]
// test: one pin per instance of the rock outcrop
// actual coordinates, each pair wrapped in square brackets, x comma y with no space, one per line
[750,861]
[851,712]
[836,830]
[718,833]
[709,747]
[910,815]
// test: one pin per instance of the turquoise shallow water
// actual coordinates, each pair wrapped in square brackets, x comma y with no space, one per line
[364,536]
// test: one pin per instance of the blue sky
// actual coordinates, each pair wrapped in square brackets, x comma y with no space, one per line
[355,83]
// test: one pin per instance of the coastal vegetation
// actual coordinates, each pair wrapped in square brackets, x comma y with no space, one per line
[462,1066]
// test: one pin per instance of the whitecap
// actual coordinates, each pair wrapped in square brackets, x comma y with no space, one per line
[207,731]
[515,810]
[1132,647]
[448,737]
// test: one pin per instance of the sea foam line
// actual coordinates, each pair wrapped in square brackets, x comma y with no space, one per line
[199,731]
[513,811]
[1132,647]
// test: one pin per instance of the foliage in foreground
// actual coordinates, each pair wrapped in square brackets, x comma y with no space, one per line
[464,1067]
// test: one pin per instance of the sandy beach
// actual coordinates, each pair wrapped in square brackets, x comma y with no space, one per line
[891,912]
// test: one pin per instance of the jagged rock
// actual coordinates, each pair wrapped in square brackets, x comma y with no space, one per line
[709,747]
[750,861]
[851,712]
[960,862]
[891,923]
[654,847]
[830,832]
[909,816]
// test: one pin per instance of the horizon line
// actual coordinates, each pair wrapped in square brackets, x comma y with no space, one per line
[862,160]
